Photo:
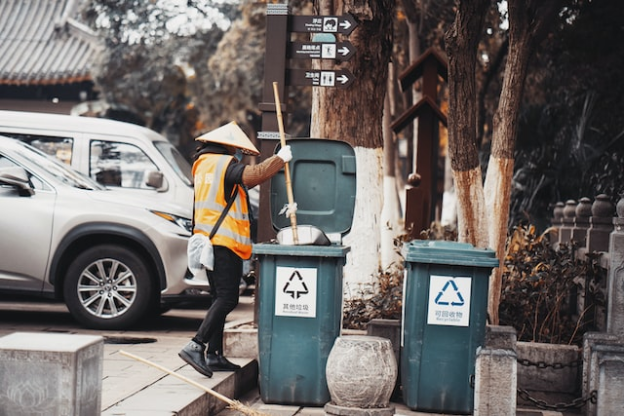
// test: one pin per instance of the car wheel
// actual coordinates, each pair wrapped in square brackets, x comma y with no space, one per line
[108,287]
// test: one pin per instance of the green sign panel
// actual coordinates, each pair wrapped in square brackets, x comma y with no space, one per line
[320,78]
[344,24]
[341,51]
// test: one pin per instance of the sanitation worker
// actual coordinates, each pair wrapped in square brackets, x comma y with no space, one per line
[219,176]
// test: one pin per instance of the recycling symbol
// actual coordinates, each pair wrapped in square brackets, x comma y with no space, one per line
[295,286]
[443,298]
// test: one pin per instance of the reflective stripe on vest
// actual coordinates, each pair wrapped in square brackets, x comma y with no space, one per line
[235,230]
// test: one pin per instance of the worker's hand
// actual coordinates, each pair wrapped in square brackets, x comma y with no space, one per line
[285,153]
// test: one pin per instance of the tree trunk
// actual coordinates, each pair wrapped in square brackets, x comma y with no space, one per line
[461,48]
[354,115]
[483,211]
[526,27]
[391,211]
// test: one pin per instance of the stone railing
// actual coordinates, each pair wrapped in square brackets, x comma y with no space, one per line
[597,229]
[509,373]
[593,229]
[585,224]
[586,227]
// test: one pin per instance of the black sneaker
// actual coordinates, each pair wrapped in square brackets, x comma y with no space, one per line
[193,354]
[220,363]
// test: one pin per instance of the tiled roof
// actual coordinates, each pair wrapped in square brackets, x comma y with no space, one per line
[40,44]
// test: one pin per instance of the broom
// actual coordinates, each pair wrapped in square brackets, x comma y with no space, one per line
[291,200]
[233,404]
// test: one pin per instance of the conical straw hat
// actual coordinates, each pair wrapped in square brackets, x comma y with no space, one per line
[231,135]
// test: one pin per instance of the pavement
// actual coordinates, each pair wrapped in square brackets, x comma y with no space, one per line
[131,386]
[143,375]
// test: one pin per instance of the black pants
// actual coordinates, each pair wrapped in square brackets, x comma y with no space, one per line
[224,285]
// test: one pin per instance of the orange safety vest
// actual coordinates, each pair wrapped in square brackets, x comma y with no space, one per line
[235,230]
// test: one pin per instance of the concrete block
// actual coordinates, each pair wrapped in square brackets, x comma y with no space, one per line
[50,374]
[590,364]
[496,382]
[610,381]
[500,337]
[603,355]
[241,341]
[537,371]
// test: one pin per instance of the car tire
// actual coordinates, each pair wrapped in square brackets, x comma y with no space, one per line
[108,287]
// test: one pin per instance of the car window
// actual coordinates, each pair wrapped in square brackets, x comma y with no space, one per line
[56,168]
[35,182]
[59,146]
[120,164]
[180,165]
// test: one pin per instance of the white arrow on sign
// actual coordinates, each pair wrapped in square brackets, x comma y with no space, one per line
[344,51]
[343,79]
[345,24]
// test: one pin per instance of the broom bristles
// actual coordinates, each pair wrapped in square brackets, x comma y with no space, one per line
[238,406]
[234,404]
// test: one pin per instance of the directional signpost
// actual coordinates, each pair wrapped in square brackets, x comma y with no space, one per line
[279,49]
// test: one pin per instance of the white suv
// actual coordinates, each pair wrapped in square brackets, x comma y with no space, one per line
[123,156]
[113,258]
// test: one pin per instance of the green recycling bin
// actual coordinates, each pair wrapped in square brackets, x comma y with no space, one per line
[445,298]
[299,288]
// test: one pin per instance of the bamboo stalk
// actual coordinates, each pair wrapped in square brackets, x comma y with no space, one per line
[280,121]
[234,404]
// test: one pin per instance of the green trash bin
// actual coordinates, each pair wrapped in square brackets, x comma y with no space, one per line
[445,298]
[299,287]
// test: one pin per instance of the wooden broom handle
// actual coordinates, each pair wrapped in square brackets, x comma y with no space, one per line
[280,122]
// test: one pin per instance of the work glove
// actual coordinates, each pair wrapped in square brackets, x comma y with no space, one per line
[289,209]
[285,153]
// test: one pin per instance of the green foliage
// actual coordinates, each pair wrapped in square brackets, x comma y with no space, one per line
[540,287]
[571,125]
[387,302]
[152,50]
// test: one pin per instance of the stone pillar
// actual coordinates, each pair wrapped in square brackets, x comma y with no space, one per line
[588,310]
[582,213]
[610,361]
[50,374]
[557,222]
[601,224]
[567,222]
[597,242]
[496,373]
[591,369]
[615,305]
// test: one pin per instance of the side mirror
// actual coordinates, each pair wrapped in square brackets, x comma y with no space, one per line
[18,178]
[156,180]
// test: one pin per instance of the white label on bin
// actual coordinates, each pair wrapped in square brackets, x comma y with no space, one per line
[449,300]
[295,291]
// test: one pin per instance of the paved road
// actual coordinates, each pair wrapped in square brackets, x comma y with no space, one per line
[33,316]
[130,387]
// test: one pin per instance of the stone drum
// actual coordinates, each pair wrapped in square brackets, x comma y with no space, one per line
[361,375]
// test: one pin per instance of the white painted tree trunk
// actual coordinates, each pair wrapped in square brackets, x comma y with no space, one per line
[391,214]
[363,260]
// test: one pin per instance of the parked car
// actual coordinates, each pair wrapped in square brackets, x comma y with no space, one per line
[114,258]
[119,155]
[122,156]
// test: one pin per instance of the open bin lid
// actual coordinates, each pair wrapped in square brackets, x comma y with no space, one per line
[323,180]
